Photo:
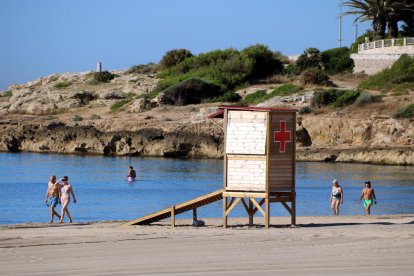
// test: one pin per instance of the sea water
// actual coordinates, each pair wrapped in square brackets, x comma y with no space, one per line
[103,193]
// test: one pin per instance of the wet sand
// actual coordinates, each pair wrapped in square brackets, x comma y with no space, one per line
[362,245]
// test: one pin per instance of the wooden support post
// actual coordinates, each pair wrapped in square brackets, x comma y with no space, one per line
[251,214]
[267,213]
[194,214]
[293,208]
[172,216]
[224,212]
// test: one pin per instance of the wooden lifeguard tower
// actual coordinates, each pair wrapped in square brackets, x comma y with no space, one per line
[259,159]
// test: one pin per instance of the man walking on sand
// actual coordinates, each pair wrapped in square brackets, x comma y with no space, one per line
[369,197]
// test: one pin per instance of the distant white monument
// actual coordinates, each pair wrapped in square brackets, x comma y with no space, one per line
[99,67]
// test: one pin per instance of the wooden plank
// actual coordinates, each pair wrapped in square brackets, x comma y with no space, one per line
[251,214]
[194,214]
[243,194]
[172,216]
[267,214]
[180,208]
[258,206]
[287,207]
[224,212]
[232,206]
[230,203]
[260,203]
[246,157]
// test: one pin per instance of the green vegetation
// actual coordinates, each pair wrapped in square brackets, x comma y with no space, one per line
[101,77]
[361,39]
[62,84]
[174,57]
[335,97]
[347,98]
[119,104]
[366,98]
[314,75]
[149,68]
[407,112]
[337,60]
[382,13]
[54,78]
[77,118]
[226,69]
[261,95]
[7,93]
[399,77]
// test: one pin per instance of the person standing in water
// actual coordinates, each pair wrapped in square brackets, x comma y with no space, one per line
[66,191]
[52,197]
[337,197]
[131,174]
[369,197]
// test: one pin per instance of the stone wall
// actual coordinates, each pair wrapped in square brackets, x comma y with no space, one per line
[371,64]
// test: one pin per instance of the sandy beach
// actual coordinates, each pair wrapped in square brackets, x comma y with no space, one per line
[376,245]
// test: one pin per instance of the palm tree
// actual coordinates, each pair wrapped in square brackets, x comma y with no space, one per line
[367,10]
[381,12]
[397,11]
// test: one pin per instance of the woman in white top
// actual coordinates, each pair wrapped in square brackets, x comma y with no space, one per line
[337,197]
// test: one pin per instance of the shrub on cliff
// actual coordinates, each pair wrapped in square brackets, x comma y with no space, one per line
[149,68]
[174,57]
[335,97]
[407,112]
[191,91]
[262,95]
[103,77]
[366,98]
[399,77]
[227,68]
[337,60]
[62,84]
[314,75]
[347,97]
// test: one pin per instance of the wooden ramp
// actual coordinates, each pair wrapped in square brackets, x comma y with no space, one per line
[178,209]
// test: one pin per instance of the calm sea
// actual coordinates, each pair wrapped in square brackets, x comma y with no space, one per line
[104,194]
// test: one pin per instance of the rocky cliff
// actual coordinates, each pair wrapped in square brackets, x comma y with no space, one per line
[77,119]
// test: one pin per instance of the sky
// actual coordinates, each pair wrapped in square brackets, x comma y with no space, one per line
[43,37]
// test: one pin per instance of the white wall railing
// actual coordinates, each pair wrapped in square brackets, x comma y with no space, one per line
[386,43]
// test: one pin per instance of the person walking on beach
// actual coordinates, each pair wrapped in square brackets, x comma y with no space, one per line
[337,197]
[52,197]
[66,191]
[131,174]
[369,197]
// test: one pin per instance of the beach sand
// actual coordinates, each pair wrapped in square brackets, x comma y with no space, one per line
[375,245]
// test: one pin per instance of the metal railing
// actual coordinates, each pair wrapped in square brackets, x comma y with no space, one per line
[386,43]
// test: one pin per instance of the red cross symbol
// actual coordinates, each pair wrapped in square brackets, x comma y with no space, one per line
[282,136]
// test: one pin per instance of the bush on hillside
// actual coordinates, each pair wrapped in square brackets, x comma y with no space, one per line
[335,97]
[337,60]
[227,68]
[149,68]
[366,98]
[314,75]
[62,84]
[348,97]
[401,74]
[261,95]
[103,77]
[191,91]
[311,58]
[264,62]
[407,112]
[174,57]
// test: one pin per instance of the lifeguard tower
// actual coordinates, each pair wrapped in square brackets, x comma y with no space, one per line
[259,159]
[259,165]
